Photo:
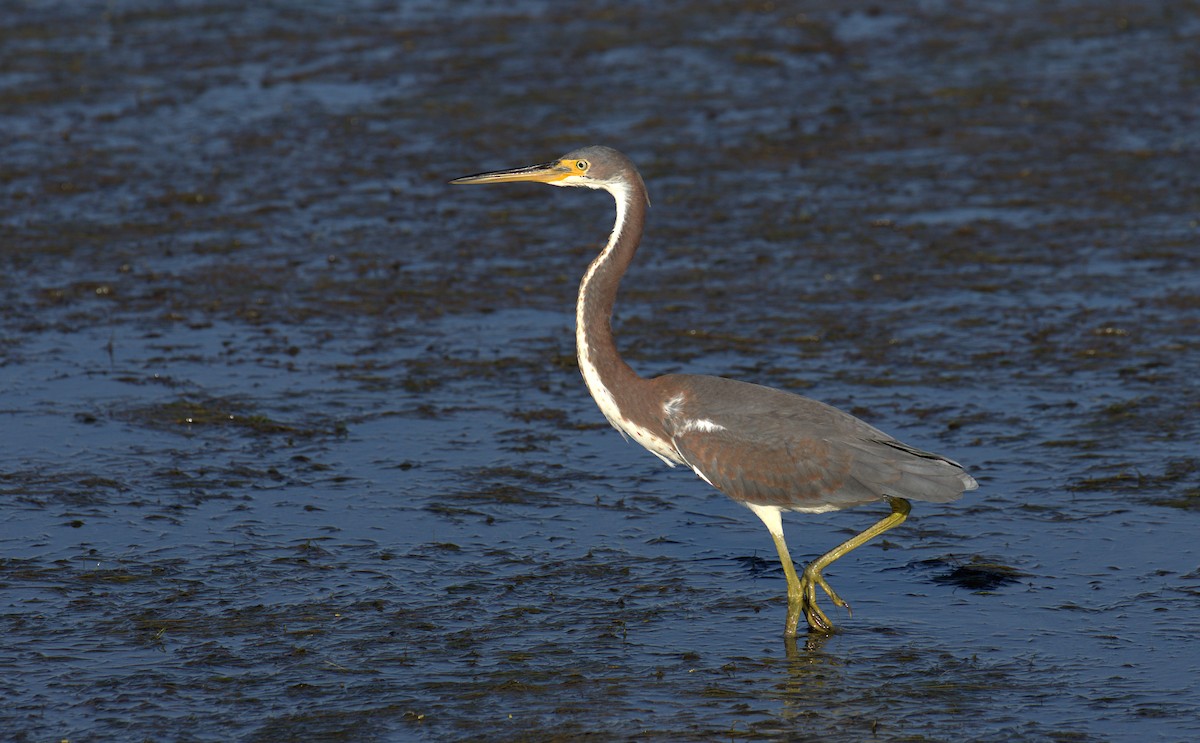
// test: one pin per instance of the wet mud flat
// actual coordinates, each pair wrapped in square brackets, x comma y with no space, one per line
[294,444]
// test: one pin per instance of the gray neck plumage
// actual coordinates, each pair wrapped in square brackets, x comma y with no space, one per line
[610,380]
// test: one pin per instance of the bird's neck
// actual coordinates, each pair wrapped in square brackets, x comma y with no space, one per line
[614,385]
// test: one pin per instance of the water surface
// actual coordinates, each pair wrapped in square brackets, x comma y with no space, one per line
[294,442]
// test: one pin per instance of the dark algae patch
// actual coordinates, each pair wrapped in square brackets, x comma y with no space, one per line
[186,416]
[976,574]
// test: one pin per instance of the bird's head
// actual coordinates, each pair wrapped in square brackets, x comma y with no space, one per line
[587,167]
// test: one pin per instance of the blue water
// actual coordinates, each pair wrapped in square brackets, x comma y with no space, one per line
[295,449]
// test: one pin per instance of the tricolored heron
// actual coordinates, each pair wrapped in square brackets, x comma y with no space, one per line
[770,450]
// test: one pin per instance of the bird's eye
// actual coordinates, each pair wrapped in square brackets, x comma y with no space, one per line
[581,165]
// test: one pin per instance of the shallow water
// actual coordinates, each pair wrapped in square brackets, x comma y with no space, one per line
[294,442]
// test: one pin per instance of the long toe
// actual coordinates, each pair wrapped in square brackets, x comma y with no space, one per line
[817,619]
[815,578]
[808,603]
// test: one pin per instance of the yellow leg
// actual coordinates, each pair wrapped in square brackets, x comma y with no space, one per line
[795,591]
[802,592]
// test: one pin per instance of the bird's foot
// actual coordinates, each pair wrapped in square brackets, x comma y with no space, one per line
[805,602]
[813,577]
[805,606]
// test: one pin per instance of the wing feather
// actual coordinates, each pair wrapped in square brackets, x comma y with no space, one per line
[770,447]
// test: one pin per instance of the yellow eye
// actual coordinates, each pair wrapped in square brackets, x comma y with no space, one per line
[582,165]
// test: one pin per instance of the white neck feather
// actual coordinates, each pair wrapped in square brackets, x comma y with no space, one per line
[587,366]
[591,376]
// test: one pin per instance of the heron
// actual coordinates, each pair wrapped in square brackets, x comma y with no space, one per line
[768,449]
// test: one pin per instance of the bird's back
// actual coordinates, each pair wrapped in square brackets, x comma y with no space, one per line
[769,447]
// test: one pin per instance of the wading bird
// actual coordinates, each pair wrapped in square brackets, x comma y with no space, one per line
[770,450]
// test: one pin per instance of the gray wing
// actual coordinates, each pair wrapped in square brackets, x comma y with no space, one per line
[770,447]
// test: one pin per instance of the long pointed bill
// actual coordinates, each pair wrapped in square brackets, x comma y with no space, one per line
[544,173]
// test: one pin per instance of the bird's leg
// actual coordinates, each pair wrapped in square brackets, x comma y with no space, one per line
[795,592]
[813,573]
